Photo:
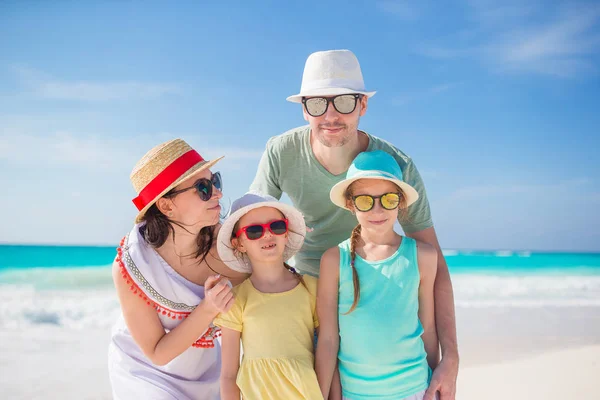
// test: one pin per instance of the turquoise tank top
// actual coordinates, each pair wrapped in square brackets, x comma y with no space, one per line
[382,355]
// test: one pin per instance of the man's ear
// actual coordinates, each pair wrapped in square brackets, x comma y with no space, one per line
[363,105]
[304,113]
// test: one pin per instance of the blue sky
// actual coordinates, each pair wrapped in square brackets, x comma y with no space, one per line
[496,101]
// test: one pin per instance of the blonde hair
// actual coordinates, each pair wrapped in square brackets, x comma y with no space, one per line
[354,241]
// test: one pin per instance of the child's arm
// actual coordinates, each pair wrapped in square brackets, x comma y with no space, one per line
[427,256]
[230,363]
[335,393]
[327,310]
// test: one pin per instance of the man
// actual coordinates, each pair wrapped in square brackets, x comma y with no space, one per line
[306,162]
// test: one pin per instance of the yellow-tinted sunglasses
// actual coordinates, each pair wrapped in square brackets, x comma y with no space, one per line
[366,202]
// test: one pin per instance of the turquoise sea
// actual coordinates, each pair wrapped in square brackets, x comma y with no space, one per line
[72,285]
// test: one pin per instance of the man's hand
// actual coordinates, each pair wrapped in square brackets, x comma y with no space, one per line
[443,380]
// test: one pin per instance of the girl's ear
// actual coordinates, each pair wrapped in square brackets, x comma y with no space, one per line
[237,244]
[350,206]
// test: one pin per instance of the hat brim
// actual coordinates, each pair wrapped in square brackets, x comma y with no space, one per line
[196,169]
[296,234]
[337,193]
[297,98]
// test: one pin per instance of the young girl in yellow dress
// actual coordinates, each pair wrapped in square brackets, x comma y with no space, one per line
[274,311]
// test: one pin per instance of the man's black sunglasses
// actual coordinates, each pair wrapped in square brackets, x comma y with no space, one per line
[343,103]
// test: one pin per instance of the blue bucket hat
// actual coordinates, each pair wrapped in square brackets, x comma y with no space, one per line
[372,165]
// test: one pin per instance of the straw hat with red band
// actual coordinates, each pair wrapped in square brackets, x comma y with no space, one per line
[163,168]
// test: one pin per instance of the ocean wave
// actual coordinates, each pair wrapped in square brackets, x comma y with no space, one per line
[87,299]
[58,278]
[526,303]
[24,305]
[526,291]
[451,253]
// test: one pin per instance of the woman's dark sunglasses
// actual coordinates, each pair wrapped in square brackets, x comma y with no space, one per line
[204,187]
[256,231]
[344,104]
[366,202]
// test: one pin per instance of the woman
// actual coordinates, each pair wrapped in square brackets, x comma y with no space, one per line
[169,281]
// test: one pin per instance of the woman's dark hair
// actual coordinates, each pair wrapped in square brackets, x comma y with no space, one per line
[158,226]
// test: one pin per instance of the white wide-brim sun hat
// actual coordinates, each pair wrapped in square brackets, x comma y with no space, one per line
[331,73]
[372,165]
[243,205]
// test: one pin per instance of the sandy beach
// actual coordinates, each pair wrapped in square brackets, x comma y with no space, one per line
[506,353]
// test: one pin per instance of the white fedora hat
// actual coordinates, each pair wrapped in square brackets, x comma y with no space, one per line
[331,73]
[246,203]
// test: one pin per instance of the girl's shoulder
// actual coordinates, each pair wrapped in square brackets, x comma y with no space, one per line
[311,283]
[427,256]
[242,290]
[309,278]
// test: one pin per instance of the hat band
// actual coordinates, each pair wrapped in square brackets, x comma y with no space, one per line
[375,174]
[351,84]
[167,176]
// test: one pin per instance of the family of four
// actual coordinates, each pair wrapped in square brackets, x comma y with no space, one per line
[319,300]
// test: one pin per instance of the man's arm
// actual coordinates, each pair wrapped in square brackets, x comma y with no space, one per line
[418,224]
[444,378]
[267,175]
[444,297]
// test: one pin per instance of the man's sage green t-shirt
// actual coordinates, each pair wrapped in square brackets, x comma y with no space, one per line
[289,166]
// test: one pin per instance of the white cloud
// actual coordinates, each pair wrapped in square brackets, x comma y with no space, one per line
[46,86]
[491,12]
[98,153]
[561,187]
[558,48]
[419,95]
[402,9]
[529,38]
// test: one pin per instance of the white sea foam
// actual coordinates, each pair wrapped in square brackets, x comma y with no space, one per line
[25,305]
[69,297]
[526,291]
[85,298]
[450,252]
[58,278]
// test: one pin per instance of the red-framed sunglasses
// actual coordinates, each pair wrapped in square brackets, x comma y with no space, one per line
[256,231]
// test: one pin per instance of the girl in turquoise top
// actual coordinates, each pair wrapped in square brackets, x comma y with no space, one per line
[375,293]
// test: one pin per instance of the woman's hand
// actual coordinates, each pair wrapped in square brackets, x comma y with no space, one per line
[218,295]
